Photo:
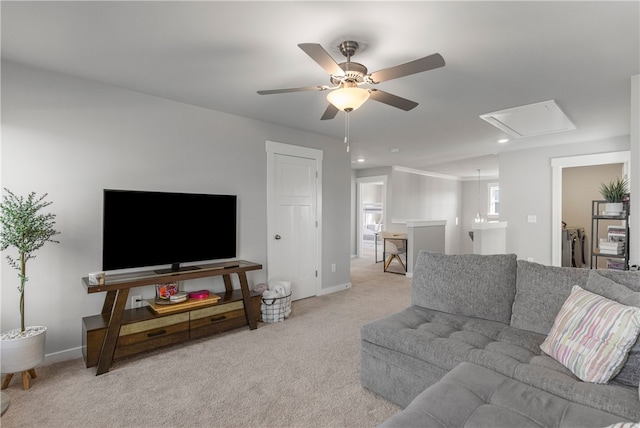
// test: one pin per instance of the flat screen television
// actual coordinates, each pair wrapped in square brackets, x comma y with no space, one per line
[151,229]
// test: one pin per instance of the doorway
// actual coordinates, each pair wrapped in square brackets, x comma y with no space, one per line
[294,197]
[558,165]
[371,219]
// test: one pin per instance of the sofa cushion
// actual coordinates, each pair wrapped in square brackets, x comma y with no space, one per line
[445,340]
[473,396]
[473,285]
[600,282]
[438,338]
[592,335]
[545,373]
[630,373]
[540,292]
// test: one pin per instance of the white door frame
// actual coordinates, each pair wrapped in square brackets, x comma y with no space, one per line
[557,164]
[273,148]
[360,205]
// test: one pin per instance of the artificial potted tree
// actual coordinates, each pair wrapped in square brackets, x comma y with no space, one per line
[614,194]
[26,229]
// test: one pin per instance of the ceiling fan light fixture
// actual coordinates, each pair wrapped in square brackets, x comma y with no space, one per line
[348,99]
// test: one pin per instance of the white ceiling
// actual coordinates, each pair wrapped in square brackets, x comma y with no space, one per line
[218,54]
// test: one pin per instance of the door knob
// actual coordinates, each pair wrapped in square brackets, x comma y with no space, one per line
[278,237]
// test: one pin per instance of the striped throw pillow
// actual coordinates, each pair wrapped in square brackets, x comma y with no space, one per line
[592,335]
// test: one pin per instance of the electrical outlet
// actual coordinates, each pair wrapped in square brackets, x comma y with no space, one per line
[136,301]
[333,267]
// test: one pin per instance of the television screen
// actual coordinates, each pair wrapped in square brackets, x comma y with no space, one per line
[144,229]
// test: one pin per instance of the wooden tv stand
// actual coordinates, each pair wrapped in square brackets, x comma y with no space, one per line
[117,333]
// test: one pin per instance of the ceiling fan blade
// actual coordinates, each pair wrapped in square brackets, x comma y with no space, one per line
[330,112]
[417,66]
[392,100]
[319,55]
[301,89]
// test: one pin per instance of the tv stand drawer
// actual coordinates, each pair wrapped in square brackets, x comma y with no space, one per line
[218,323]
[134,344]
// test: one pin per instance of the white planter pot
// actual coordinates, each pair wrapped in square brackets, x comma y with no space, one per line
[613,208]
[22,353]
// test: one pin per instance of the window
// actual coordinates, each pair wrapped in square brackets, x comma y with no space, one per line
[494,199]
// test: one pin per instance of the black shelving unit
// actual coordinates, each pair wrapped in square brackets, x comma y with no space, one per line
[620,223]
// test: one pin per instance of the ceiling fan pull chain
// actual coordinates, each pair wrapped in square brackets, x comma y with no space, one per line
[346,130]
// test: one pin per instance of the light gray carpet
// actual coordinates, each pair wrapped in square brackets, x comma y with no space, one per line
[303,372]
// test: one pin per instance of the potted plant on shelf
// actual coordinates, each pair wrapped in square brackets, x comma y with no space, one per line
[614,194]
[26,228]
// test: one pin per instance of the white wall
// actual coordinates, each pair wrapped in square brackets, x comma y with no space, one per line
[71,138]
[419,196]
[470,207]
[416,195]
[525,189]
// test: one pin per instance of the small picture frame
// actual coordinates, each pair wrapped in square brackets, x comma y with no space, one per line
[96,278]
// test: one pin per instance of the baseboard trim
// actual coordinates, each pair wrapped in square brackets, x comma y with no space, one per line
[57,357]
[334,289]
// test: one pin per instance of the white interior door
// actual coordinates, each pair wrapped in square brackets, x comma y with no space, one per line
[293,223]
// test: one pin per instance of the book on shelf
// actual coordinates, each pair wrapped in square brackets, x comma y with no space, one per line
[617,252]
[605,243]
[616,264]
[618,230]
[616,238]
[616,233]
[614,248]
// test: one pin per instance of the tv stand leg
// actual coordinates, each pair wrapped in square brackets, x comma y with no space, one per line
[109,300]
[113,330]
[228,286]
[246,297]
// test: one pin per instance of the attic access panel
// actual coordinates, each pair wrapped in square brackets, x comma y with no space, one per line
[541,118]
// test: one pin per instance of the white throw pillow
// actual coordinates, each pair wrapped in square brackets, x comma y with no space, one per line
[592,335]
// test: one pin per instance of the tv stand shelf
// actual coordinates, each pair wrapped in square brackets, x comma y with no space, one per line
[117,333]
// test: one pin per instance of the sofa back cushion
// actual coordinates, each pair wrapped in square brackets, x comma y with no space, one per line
[479,286]
[540,292]
[607,287]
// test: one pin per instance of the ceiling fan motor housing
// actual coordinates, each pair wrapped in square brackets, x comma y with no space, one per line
[353,72]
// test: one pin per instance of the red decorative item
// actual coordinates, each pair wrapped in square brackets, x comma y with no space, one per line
[202,294]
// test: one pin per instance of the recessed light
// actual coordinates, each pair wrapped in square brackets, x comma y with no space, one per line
[503,140]
[395,150]
[361,160]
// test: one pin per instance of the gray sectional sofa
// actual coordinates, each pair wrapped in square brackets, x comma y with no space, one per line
[466,353]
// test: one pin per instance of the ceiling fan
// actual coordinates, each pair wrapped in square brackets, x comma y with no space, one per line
[348,79]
